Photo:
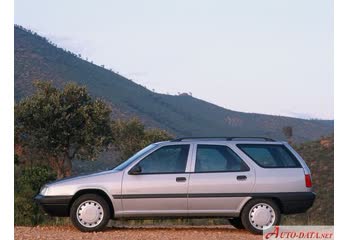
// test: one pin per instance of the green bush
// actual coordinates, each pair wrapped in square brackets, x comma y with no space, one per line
[27,184]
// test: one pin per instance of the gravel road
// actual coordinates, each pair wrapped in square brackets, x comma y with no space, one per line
[139,233]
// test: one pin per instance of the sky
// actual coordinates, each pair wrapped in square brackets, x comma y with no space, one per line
[272,56]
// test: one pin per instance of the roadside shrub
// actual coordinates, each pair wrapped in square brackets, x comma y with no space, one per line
[27,184]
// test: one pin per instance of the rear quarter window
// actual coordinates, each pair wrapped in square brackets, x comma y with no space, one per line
[218,158]
[270,155]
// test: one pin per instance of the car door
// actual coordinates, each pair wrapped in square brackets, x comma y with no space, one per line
[220,181]
[161,186]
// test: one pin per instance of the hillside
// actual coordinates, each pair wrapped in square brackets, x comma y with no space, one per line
[38,59]
[319,155]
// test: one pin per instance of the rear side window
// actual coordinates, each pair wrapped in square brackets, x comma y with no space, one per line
[270,155]
[218,158]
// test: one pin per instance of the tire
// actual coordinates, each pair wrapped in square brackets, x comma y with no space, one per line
[236,222]
[260,213]
[90,213]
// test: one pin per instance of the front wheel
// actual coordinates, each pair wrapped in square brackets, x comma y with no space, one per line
[260,214]
[90,213]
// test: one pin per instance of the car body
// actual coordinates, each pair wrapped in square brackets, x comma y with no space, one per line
[190,177]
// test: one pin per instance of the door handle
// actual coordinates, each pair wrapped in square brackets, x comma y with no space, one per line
[180,179]
[241,178]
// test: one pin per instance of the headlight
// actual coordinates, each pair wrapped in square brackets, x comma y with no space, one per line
[43,190]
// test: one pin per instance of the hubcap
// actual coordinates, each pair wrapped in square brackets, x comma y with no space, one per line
[262,216]
[90,213]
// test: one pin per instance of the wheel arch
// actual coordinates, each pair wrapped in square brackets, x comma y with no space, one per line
[278,203]
[274,199]
[93,191]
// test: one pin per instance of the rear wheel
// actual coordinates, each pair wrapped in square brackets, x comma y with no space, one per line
[89,213]
[236,222]
[260,214]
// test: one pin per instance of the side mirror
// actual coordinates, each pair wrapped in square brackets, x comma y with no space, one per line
[135,170]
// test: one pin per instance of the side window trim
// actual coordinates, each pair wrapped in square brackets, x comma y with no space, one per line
[189,160]
[194,159]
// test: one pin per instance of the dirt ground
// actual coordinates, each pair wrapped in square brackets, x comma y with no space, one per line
[135,233]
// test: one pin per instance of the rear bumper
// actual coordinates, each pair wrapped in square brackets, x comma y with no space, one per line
[290,202]
[54,205]
[296,202]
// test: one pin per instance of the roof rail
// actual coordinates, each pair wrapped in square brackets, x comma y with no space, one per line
[224,138]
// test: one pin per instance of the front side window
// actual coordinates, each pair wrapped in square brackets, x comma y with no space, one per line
[218,158]
[270,155]
[126,163]
[167,159]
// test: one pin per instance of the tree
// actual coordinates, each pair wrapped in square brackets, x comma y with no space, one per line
[62,124]
[288,133]
[129,136]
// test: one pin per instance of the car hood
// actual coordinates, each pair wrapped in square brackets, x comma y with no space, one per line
[84,178]
[107,181]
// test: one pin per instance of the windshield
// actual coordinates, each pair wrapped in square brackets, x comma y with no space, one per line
[126,163]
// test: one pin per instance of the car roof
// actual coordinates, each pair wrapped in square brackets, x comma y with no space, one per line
[215,140]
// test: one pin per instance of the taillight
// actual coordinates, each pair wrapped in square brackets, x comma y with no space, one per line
[308,182]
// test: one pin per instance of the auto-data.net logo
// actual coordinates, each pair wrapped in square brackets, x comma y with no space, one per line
[299,232]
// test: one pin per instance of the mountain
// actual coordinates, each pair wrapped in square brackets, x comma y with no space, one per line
[36,58]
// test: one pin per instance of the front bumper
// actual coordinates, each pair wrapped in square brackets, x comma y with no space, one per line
[54,205]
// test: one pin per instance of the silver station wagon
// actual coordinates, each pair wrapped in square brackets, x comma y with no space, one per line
[250,181]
